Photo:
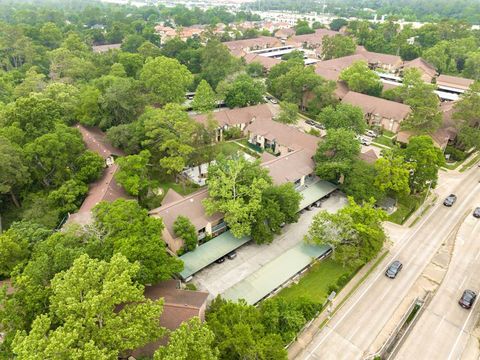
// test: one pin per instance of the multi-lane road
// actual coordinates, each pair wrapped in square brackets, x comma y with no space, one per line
[352,333]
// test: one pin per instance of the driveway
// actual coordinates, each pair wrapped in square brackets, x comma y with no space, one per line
[217,278]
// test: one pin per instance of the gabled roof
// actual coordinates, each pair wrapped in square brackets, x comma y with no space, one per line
[190,206]
[284,135]
[331,69]
[374,105]
[314,39]
[421,65]
[260,42]
[369,156]
[379,58]
[454,82]
[290,167]
[105,48]
[267,62]
[171,196]
[238,116]
[96,141]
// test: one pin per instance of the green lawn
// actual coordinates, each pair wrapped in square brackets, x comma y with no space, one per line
[470,163]
[227,148]
[388,134]
[316,283]
[405,207]
[383,140]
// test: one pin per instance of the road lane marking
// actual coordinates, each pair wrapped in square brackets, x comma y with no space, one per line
[461,332]
[404,243]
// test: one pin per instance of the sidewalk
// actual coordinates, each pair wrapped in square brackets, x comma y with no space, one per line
[306,336]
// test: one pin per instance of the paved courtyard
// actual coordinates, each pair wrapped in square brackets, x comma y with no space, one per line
[216,278]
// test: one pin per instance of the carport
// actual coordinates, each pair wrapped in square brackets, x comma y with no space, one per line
[316,191]
[207,253]
[276,273]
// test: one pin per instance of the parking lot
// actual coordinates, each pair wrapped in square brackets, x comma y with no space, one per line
[216,278]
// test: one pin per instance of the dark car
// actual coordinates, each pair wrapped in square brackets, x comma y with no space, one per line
[319,126]
[450,200]
[393,269]
[476,212]
[221,260]
[310,122]
[232,255]
[467,299]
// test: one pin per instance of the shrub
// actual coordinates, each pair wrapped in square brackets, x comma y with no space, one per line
[455,154]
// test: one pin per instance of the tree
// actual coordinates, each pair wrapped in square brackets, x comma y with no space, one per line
[335,155]
[192,340]
[170,134]
[424,102]
[338,23]
[355,232]
[166,80]
[303,28]
[288,113]
[280,205]
[255,69]
[84,306]
[235,187]
[217,63]
[185,230]
[51,156]
[393,173]
[50,35]
[472,65]
[467,109]
[89,167]
[361,79]
[88,111]
[133,173]
[360,182]
[147,49]
[426,159]
[127,137]
[35,115]
[343,116]
[337,46]
[13,251]
[468,137]
[322,95]
[244,91]
[33,82]
[68,197]
[239,333]
[14,173]
[131,43]
[205,98]
[121,102]
[130,231]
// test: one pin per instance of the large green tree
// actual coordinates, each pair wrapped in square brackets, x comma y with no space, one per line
[244,91]
[217,62]
[235,188]
[133,173]
[361,79]
[166,80]
[336,154]
[343,116]
[85,320]
[393,173]
[354,232]
[14,174]
[130,231]
[337,46]
[205,98]
[185,230]
[192,340]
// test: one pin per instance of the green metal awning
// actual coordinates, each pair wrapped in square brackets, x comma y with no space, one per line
[315,192]
[274,274]
[207,253]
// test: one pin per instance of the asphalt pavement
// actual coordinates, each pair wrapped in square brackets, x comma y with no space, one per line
[352,332]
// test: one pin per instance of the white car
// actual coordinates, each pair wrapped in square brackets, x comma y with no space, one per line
[371,133]
[365,141]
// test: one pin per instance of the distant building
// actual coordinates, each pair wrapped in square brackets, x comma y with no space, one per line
[105,48]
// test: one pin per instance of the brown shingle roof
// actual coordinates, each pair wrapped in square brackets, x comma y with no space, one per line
[267,62]
[314,40]
[96,141]
[379,58]
[454,82]
[252,44]
[369,156]
[238,115]
[284,135]
[105,48]
[290,167]
[171,196]
[373,105]
[190,206]
[421,65]
[331,69]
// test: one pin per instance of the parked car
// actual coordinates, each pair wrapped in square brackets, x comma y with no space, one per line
[309,207]
[467,299]
[221,260]
[450,200]
[317,204]
[310,122]
[319,126]
[365,141]
[393,269]
[371,133]
[274,101]
[476,212]
[232,255]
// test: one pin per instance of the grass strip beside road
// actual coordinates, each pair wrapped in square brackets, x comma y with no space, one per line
[470,163]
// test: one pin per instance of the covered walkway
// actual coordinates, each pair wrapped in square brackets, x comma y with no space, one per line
[276,273]
[314,192]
